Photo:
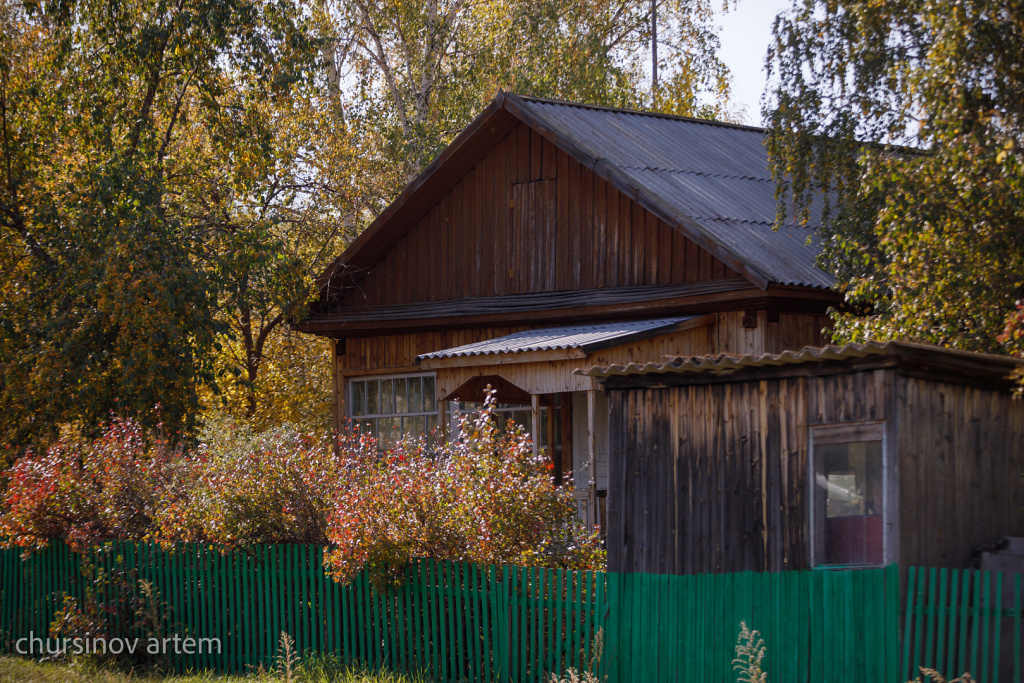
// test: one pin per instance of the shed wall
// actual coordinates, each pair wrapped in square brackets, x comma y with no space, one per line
[961,470]
[711,478]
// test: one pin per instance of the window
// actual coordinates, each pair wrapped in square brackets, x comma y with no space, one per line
[391,408]
[848,495]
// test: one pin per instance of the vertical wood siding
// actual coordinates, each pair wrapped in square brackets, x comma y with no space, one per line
[714,477]
[961,467]
[527,219]
[396,353]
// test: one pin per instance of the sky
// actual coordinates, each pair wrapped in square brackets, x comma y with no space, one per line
[745,35]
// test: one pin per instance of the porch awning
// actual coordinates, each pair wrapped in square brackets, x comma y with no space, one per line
[555,343]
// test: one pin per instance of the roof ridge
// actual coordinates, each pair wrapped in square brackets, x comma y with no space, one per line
[638,112]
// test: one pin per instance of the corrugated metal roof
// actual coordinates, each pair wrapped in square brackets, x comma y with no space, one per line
[584,337]
[717,175]
[725,363]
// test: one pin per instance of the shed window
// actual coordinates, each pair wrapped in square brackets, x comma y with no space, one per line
[848,501]
[391,408]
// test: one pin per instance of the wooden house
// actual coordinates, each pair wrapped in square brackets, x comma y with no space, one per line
[861,455]
[551,236]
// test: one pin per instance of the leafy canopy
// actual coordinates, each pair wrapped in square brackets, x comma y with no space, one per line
[174,174]
[907,116]
[130,133]
[411,74]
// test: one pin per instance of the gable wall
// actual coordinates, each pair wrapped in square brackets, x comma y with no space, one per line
[527,219]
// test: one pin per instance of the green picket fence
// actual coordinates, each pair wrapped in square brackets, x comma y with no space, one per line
[451,621]
[960,621]
[817,626]
[463,622]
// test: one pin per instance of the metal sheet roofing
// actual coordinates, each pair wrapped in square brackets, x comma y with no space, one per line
[726,363]
[715,174]
[587,338]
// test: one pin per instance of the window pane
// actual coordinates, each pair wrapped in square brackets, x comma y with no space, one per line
[390,431]
[523,418]
[372,403]
[401,395]
[415,395]
[358,398]
[429,405]
[414,426]
[543,436]
[431,425]
[387,397]
[848,503]
[367,427]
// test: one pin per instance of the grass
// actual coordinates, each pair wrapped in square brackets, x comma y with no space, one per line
[83,671]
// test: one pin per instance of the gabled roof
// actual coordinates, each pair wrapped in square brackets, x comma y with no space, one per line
[705,177]
[708,180]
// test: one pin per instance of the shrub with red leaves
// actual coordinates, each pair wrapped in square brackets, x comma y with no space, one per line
[85,493]
[484,497]
[1012,339]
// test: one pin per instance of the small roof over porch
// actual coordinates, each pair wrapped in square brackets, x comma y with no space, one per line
[541,361]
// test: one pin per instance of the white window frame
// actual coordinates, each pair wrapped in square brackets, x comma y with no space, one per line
[438,411]
[850,432]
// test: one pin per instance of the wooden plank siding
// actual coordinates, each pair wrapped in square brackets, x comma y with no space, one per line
[396,353]
[961,464]
[518,224]
[714,477]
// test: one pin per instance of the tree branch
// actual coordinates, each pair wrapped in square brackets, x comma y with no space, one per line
[381,58]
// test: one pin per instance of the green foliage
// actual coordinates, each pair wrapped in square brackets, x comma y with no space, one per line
[173,177]
[84,671]
[906,115]
[138,141]
[410,74]
[116,604]
[291,385]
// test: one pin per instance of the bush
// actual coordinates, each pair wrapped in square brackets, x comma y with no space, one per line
[483,497]
[87,492]
[275,489]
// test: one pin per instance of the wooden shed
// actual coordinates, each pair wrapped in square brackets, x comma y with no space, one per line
[551,236]
[853,456]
